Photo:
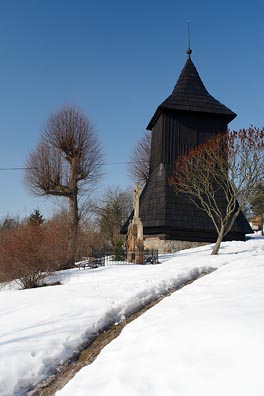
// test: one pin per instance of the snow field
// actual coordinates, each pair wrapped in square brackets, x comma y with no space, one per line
[205,339]
[42,328]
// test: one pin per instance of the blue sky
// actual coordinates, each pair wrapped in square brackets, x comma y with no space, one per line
[117,61]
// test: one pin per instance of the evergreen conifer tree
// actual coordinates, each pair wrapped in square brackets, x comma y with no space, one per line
[35,218]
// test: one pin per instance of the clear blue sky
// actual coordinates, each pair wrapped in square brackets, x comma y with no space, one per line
[117,61]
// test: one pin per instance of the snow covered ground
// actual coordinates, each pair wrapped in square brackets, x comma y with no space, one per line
[206,339]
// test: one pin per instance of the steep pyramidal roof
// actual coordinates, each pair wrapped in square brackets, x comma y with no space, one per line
[190,94]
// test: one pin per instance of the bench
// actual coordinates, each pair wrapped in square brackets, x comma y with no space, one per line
[86,262]
[89,262]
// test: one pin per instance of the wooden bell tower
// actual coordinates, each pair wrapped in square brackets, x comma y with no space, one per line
[187,118]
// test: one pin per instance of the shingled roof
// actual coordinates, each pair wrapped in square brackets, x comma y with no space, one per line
[190,94]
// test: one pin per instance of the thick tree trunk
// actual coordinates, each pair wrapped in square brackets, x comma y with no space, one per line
[218,241]
[74,228]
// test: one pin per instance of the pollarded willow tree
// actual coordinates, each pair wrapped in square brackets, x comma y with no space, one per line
[65,163]
[229,164]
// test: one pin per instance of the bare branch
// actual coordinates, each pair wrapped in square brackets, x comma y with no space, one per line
[228,165]
[140,159]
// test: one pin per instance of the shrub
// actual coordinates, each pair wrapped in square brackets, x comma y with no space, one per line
[28,253]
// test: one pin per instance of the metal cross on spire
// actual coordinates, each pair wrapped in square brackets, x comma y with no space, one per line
[189,51]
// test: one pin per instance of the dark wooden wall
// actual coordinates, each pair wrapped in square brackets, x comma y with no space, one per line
[176,133]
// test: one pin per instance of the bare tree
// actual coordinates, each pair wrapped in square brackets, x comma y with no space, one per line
[9,222]
[229,164]
[140,159]
[89,237]
[115,207]
[257,203]
[257,199]
[65,163]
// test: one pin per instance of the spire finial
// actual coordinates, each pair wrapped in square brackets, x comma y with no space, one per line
[189,51]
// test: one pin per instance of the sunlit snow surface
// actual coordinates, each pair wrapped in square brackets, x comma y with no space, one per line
[205,339]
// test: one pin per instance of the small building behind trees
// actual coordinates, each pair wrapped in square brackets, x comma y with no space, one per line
[257,223]
[187,118]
